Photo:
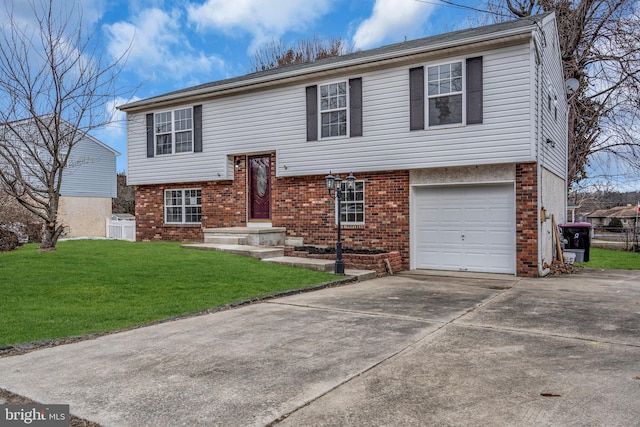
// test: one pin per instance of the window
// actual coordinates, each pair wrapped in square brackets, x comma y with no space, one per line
[352,207]
[183,206]
[333,109]
[444,84]
[174,131]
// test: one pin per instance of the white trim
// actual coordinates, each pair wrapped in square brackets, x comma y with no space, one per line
[364,205]
[462,93]
[182,206]
[259,224]
[173,131]
[346,109]
[413,223]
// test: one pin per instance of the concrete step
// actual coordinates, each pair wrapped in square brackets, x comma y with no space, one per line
[276,256]
[308,263]
[255,236]
[324,265]
[222,239]
[258,252]
[361,274]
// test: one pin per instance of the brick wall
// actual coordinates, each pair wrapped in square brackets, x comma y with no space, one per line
[303,206]
[375,262]
[526,220]
[223,205]
[299,204]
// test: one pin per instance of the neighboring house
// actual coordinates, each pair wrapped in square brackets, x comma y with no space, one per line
[88,185]
[628,215]
[457,141]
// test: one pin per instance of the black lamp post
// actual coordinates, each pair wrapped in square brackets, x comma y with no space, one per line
[335,184]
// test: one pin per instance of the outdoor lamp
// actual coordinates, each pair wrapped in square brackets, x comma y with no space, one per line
[334,184]
[330,180]
[351,182]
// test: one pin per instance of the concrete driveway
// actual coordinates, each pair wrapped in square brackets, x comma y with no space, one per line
[404,350]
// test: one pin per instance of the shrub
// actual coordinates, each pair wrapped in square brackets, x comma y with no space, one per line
[8,240]
[19,220]
[615,225]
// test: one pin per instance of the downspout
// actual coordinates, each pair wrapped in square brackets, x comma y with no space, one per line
[542,272]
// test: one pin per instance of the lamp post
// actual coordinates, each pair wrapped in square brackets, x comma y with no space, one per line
[335,184]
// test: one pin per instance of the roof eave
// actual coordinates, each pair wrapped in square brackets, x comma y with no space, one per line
[514,34]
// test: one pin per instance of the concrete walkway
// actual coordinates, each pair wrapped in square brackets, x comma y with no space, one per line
[419,350]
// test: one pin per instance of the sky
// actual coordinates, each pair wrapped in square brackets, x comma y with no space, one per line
[175,44]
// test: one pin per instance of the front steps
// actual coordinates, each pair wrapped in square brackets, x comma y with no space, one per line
[252,236]
[266,244]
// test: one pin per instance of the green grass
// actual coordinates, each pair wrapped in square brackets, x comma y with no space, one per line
[97,286]
[610,259]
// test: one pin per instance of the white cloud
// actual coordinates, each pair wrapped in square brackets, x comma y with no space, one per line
[265,20]
[392,20]
[157,46]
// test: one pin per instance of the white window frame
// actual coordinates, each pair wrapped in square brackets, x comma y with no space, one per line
[173,129]
[462,92]
[345,203]
[329,110]
[183,206]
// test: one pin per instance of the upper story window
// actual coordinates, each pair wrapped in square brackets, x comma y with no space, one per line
[183,206]
[352,207]
[333,109]
[453,94]
[444,84]
[174,131]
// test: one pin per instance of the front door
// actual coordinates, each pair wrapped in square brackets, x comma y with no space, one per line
[260,188]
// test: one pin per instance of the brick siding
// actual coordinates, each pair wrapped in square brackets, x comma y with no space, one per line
[526,220]
[303,206]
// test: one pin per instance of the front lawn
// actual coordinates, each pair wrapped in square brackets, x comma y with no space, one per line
[610,259]
[97,286]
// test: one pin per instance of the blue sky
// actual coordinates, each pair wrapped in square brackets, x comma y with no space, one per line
[175,44]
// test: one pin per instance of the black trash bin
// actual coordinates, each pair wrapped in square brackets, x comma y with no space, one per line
[578,237]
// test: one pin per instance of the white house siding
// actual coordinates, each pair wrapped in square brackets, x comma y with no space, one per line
[275,120]
[554,127]
[91,171]
[553,197]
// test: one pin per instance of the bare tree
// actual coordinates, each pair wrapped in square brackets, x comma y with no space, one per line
[279,54]
[53,91]
[600,46]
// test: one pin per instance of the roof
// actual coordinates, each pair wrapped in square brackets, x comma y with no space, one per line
[617,212]
[84,135]
[392,51]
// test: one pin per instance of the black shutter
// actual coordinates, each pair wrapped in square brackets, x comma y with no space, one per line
[150,144]
[197,128]
[355,106]
[416,98]
[312,113]
[474,90]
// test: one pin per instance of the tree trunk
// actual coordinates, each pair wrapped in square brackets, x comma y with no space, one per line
[52,229]
[50,237]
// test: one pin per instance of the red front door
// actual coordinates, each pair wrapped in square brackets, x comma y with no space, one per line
[260,187]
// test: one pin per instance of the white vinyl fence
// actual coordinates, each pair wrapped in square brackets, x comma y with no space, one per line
[121,230]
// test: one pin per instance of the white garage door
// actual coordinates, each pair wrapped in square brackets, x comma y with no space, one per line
[465,228]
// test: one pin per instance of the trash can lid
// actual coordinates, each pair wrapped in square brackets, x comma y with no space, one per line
[575,224]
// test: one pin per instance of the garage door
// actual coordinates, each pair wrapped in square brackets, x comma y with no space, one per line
[465,228]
